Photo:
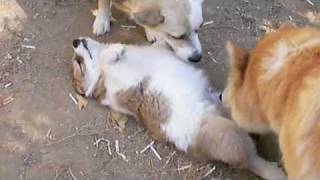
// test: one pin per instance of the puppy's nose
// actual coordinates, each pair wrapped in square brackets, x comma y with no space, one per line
[220,97]
[76,43]
[195,57]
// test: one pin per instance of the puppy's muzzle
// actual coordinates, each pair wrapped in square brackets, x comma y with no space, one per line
[76,43]
[195,57]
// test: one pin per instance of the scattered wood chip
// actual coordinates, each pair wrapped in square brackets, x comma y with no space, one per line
[97,142]
[119,153]
[72,175]
[169,158]
[28,46]
[73,99]
[212,58]
[82,102]
[310,2]
[207,23]
[209,172]
[48,135]
[155,153]
[6,100]
[118,119]
[184,167]
[150,146]
[7,85]
[128,27]
[147,147]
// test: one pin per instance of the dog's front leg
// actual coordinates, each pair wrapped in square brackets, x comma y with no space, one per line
[101,24]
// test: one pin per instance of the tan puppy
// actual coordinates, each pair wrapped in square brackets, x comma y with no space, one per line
[276,86]
[176,22]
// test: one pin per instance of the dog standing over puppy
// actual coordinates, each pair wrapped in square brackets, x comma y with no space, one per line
[276,86]
[169,97]
[176,22]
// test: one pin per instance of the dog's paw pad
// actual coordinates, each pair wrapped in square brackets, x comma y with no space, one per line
[101,26]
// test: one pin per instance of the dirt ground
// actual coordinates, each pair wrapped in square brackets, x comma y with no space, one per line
[43,134]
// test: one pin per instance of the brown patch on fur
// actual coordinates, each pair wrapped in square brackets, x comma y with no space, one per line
[150,107]
[77,78]
[99,92]
[288,101]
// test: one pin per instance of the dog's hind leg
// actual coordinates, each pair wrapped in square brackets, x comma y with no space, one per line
[221,139]
[101,24]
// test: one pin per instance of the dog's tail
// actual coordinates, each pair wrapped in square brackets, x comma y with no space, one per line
[221,139]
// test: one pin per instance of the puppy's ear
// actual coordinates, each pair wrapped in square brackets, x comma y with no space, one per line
[77,73]
[77,78]
[149,17]
[238,57]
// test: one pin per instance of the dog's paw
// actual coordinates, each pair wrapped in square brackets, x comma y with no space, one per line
[101,25]
[114,52]
[273,172]
[151,36]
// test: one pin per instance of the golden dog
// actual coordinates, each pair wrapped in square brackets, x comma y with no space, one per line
[276,86]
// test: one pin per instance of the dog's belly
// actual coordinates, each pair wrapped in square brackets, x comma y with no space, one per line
[151,108]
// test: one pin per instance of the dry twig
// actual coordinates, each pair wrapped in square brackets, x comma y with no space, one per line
[75,134]
[184,167]
[150,146]
[118,151]
[73,99]
[169,158]
[96,143]
[209,172]
[72,175]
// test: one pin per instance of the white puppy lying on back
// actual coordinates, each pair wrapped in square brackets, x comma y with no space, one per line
[169,97]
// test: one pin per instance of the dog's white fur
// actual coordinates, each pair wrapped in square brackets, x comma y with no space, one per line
[174,13]
[185,91]
[195,115]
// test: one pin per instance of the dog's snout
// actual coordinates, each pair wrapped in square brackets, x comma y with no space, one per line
[195,57]
[220,96]
[76,43]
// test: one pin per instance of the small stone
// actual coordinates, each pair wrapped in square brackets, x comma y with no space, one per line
[35,16]
[9,56]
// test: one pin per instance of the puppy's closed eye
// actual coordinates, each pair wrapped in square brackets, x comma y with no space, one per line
[182,36]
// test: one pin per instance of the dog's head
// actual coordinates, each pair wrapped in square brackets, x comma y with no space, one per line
[86,71]
[177,23]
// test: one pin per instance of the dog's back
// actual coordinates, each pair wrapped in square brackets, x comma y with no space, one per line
[281,79]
